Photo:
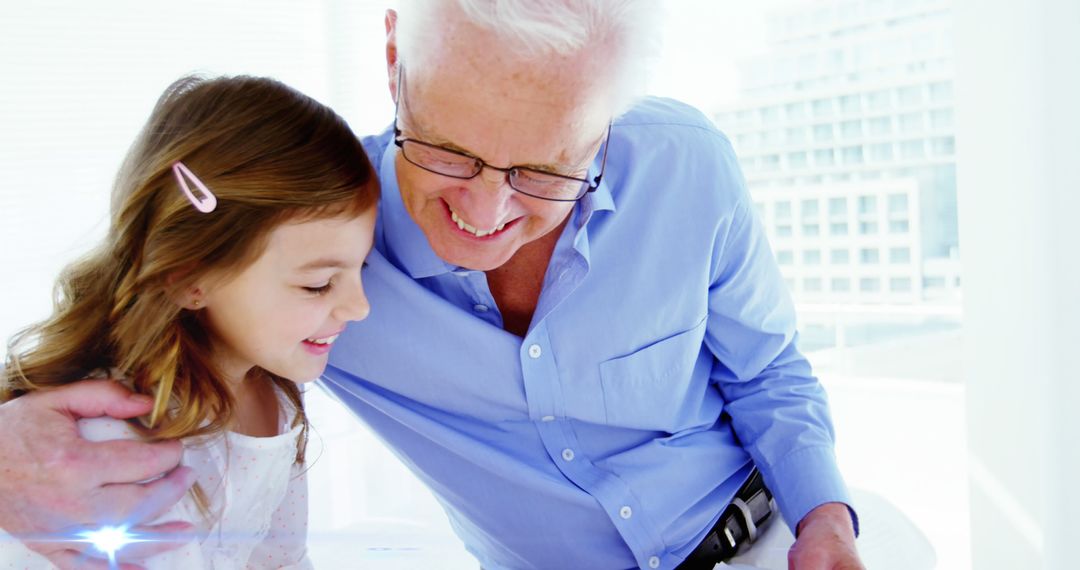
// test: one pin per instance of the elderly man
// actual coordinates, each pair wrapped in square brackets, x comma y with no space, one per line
[579,338]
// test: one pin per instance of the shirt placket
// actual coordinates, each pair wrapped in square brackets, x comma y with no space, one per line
[547,408]
[480,300]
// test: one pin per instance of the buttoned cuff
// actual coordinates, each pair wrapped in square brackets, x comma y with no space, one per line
[806,479]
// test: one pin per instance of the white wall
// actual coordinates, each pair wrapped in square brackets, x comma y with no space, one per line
[1019,190]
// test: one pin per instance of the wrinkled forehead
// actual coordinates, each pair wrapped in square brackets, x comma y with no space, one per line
[467,82]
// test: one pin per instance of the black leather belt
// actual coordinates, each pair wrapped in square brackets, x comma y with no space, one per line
[749,512]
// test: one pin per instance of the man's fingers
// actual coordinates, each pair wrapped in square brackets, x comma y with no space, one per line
[131,460]
[94,398]
[131,503]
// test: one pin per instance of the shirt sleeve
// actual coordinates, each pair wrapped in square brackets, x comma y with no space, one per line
[285,546]
[778,408]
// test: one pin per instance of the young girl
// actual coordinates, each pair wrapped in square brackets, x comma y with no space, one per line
[240,221]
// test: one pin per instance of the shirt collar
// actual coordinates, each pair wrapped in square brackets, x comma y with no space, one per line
[405,241]
[407,244]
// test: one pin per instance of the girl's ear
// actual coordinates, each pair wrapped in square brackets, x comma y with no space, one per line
[192,297]
[196,300]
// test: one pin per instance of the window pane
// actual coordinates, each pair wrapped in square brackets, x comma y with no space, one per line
[911,95]
[881,152]
[879,126]
[942,146]
[900,284]
[795,111]
[797,160]
[851,129]
[898,203]
[867,204]
[824,157]
[823,107]
[823,133]
[770,115]
[837,206]
[912,149]
[879,100]
[941,118]
[850,104]
[911,123]
[941,91]
[852,155]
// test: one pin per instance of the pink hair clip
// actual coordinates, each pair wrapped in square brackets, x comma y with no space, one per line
[208,202]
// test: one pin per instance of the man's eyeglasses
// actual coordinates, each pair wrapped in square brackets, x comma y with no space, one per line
[528,181]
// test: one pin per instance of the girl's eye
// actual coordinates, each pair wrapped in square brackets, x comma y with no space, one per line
[321,290]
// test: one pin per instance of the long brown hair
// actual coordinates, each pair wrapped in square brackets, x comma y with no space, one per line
[270,154]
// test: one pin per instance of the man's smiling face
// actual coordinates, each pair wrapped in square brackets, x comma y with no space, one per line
[551,117]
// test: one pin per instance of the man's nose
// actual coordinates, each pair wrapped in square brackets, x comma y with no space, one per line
[488,200]
[494,179]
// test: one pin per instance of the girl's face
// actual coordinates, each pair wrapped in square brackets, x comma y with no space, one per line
[284,311]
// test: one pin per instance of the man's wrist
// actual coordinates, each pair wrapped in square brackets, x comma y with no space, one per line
[830,513]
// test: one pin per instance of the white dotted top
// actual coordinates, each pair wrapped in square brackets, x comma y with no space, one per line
[257,495]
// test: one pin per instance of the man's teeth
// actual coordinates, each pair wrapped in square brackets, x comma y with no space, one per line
[327,340]
[472,230]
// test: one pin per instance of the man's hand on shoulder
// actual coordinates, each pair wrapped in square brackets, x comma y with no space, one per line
[52,481]
[826,541]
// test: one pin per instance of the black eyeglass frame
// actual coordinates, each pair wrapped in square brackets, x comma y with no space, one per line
[586,185]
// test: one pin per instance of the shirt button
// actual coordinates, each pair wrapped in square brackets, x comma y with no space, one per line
[654,562]
[534,351]
[626,512]
[480,308]
[547,419]
[568,454]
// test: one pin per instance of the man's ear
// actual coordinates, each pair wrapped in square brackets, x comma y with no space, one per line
[392,53]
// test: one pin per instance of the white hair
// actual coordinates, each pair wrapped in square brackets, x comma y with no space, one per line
[627,30]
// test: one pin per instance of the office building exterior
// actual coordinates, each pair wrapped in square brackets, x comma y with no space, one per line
[853,104]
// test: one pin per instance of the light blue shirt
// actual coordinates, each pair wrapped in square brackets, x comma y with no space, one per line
[660,363]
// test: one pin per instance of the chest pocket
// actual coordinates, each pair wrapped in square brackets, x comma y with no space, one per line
[655,387]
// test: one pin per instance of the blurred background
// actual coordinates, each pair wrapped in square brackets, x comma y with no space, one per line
[846,117]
